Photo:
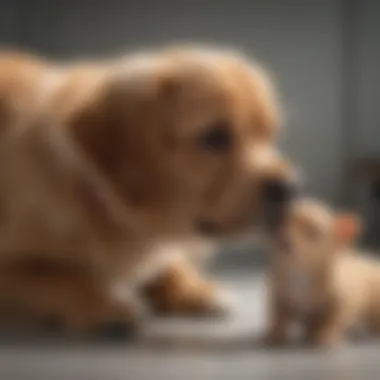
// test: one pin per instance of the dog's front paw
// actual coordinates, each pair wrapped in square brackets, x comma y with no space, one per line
[200,299]
[206,301]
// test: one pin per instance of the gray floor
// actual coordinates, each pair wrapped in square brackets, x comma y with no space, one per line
[188,350]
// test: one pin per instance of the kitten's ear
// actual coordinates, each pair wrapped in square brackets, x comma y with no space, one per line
[347,228]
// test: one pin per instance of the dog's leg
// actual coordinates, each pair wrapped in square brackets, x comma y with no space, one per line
[181,290]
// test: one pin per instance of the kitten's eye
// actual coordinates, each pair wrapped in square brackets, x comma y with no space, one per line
[217,138]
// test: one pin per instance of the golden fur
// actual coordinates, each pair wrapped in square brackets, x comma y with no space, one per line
[103,162]
[319,280]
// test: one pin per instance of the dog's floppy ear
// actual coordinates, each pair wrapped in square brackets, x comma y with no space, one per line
[96,127]
[117,130]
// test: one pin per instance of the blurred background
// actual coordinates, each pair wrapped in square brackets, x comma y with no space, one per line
[324,55]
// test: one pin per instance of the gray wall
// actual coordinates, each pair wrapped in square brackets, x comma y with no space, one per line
[318,54]
[368,131]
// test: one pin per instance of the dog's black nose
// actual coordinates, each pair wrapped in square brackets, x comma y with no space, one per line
[277,194]
[279,191]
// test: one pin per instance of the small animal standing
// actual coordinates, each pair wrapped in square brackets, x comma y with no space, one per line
[318,279]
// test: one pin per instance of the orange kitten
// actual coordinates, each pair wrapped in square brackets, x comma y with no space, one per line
[318,280]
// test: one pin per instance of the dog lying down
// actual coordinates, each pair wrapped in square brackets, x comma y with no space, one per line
[319,279]
[102,164]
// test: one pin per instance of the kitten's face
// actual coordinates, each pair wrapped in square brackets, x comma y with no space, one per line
[313,234]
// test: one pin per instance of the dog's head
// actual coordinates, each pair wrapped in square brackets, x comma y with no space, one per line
[186,138]
[312,234]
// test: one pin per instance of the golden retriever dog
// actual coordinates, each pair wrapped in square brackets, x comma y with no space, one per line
[106,166]
[318,278]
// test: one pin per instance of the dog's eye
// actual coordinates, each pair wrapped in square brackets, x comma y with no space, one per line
[217,137]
